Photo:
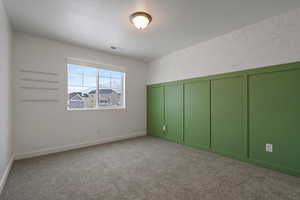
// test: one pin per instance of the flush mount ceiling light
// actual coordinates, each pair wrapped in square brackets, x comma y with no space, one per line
[140,20]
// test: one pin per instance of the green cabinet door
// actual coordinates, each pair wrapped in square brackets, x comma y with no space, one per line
[155,117]
[228,133]
[274,118]
[174,112]
[197,114]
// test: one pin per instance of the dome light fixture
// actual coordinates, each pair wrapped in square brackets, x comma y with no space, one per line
[140,20]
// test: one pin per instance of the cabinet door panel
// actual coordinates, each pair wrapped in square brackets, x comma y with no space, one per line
[155,111]
[197,114]
[228,133]
[174,112]
[274,109]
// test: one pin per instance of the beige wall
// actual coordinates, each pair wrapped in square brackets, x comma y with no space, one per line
[5,91]
[273,41]
[48,126]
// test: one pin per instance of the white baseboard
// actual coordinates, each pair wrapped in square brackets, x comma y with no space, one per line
[5,174]
[76,146]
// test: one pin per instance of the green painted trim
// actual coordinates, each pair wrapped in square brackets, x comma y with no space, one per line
[245,121]
[174,141]
[210,143]
[230,155]
[195,80]
[183,114]
[164,113]
[174,83]
[274,68]
[156,85]
[280,168]
[247,117]
[198,147]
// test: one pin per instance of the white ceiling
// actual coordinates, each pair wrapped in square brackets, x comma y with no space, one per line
[176,24]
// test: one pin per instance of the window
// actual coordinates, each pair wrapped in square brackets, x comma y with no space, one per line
[93,88]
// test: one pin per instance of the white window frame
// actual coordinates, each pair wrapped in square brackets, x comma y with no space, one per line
[98,67]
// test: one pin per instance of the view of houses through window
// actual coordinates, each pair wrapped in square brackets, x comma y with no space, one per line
[90,87]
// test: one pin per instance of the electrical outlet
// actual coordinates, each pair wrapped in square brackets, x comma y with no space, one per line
[99,131]
[164,128]
[269,147]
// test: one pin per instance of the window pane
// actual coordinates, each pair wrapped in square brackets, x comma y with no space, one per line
[75,80]
[116,75]
[110,88]
[116,83]
[82,84]
[90,81]
[104,73]
[104,82]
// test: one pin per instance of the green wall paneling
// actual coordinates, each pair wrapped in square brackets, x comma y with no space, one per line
[197,114]
[228,133]
[155,110]
[274,110]
[248,109]
[174,112]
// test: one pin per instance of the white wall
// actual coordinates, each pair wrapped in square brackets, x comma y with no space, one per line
[272,41]
[5,90]
[48,126]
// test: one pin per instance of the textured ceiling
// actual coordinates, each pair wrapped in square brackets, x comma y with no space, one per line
[176,24]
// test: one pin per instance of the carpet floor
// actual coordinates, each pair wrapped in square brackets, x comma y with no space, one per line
[144,168]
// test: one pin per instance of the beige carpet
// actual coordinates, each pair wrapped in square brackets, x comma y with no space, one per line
[142,169]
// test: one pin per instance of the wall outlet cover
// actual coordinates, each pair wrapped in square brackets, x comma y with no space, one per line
[269,147]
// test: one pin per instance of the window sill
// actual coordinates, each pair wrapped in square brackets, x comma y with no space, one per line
[94,109]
